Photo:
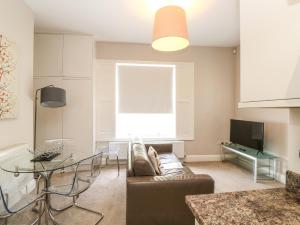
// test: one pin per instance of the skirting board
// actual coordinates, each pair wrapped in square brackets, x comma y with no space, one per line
[280,177]
[202,158]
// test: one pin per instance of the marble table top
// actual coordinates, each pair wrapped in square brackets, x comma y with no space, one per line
[259,207]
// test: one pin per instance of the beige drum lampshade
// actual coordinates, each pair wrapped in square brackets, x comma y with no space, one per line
[170,29]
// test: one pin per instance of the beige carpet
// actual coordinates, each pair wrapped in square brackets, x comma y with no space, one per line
[230,177]
[108,193]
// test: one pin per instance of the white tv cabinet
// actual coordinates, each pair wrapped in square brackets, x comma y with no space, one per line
[263,164]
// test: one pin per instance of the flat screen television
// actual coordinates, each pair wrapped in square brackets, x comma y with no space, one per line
[247,133]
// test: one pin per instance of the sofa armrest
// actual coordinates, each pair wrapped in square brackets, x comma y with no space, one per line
[149,198]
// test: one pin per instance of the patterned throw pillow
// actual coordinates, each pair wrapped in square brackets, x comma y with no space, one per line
[153,156]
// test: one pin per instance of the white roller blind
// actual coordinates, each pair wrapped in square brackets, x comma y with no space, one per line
[106,96]
[145,88]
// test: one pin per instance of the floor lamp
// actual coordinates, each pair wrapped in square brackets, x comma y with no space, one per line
[50,97]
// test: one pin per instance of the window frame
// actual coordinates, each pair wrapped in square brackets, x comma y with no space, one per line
[173,66]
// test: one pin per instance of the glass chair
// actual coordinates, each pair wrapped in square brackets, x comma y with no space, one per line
[4,212]
[103,146]
[83,176]
[23,197]
[17,189]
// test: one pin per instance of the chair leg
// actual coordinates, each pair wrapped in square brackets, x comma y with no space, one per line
[118,165]
[101,215]
[61,209]
[4,219]
[106,161]
[6,200]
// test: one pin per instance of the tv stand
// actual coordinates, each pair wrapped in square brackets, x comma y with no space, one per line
[242,149]
[259,152]
[243,155]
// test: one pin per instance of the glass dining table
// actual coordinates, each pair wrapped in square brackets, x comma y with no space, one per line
[43,170]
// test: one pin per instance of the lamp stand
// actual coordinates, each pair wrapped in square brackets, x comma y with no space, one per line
[35,118]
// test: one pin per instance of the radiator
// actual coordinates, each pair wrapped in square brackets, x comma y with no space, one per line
[178,147]
[15,186]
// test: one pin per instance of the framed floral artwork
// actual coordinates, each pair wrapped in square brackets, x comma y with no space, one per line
[8,80]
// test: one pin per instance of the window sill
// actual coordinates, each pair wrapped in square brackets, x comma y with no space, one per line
[150,139]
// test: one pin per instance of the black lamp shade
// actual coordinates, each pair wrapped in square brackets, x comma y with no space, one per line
[53,97]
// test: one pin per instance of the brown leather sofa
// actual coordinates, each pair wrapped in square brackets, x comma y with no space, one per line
[160,200]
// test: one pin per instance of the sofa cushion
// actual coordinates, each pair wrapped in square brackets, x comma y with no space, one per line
[153,156]
[168,158]
[171,165]
[141,162]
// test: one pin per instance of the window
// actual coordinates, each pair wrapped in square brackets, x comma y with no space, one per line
[145,100]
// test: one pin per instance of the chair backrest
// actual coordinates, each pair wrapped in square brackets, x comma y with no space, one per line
[90,167]
[102,146]
[26,192]
[86,171]
[3,207]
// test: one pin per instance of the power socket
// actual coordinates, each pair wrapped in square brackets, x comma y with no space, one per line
[220,142]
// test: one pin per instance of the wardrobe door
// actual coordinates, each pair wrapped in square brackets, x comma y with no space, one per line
[270,60]
[78,116]
[78,56]
[48,50]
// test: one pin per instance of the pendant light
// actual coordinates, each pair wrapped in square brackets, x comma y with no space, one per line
[170,29]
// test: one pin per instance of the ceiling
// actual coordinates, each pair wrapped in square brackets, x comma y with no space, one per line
[210,22]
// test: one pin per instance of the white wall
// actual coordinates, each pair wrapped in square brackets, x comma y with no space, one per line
[294,140]
[16,22]
[214,87]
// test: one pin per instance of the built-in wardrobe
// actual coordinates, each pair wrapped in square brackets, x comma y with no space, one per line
[66,61]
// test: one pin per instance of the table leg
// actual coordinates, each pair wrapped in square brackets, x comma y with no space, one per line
[222,153]
[118,165]
[41,211]
[274,168]
[46,214]
[52,217]
[36,205]
[47,204]
[269,167]
[46,210]
[255,170]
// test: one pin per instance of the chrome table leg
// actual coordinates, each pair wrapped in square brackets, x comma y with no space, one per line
[255,170]
[118,165]
[35,207]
